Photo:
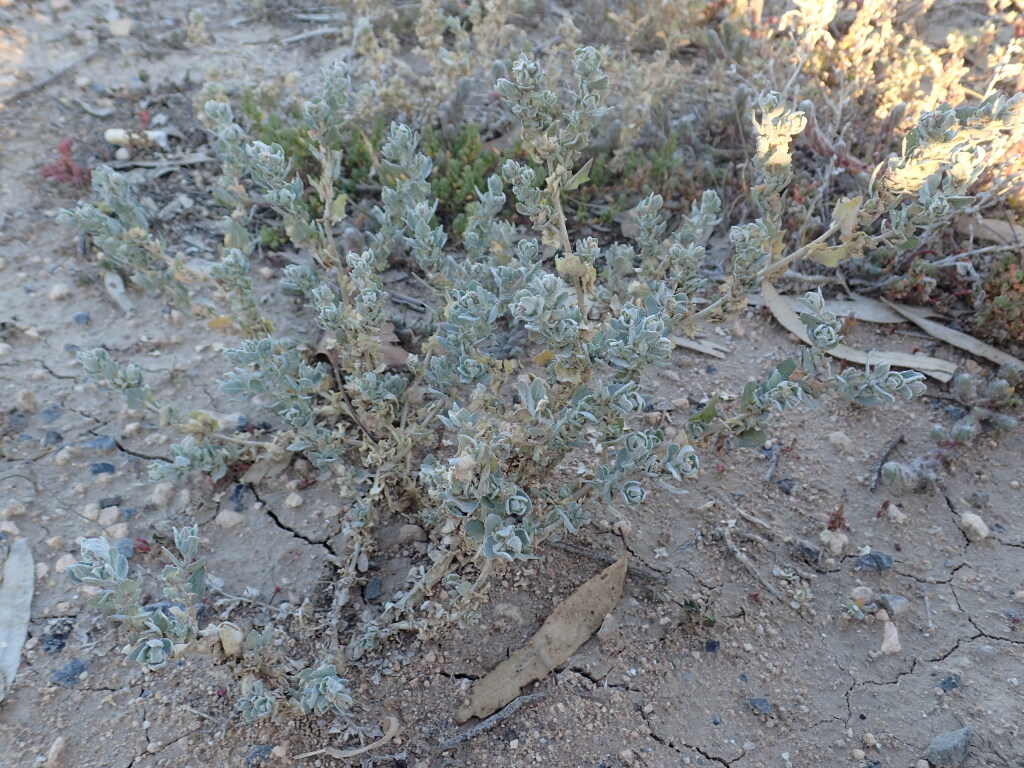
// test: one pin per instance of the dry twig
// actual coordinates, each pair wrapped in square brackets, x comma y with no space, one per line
[496,719]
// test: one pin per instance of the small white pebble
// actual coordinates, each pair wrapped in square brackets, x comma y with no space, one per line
[116,531]
[109,516]
[973,526]
[91,511]
[162,494]
[227,518]
[59,292]
[294,501]
[55,754]
[14,509]
[841,441]
[120,27]
[25,400]
[63,457]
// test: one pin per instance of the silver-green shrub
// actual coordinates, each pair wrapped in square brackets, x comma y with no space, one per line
[520,369]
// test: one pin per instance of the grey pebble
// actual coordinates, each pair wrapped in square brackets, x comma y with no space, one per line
[50,413]
[53,437]
[761,706]
[786,485]
[56,635]
[873,561]
[101,443]
[69,674]
[372,589]
[894,604]
[951,683]
[102,468]
[16,421]
[110,501]
[82,318]
[126,547]
[949,749]
[258,755]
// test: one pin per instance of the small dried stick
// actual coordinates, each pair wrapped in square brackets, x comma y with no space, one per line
[637,571]
[745,562]
[496,719]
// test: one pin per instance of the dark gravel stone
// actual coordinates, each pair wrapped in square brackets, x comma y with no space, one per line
[258,756]
[949,749]
[53,437]
[237,497]
[372,589]
[128,512]
[102,468]
[56,634]
[126,547]
[786,485]
[761,706]
[110,501]
[69,674]
[101,443]
[50,413]
[951,683]
[716,720]
[16,421]
[807,552]
[894,604]
[712,646]
[873,561]
[82,318]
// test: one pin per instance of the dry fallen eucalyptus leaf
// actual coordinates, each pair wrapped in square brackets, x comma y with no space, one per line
[957,338]
[15,610]
[570,624]
[941,370]
[991,230]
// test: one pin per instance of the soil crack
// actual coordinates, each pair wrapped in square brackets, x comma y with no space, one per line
[297,534]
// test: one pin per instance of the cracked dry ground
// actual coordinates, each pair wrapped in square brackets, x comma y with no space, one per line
[656,687]
[659,686]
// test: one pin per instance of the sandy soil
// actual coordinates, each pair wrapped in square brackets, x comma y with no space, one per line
[669,679]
